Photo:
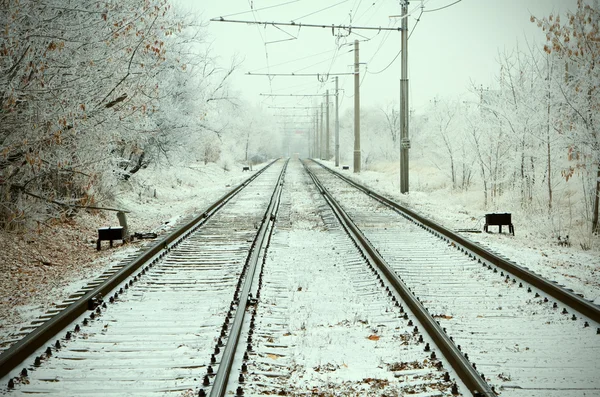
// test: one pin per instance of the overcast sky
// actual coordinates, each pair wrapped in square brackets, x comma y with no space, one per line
[449,48]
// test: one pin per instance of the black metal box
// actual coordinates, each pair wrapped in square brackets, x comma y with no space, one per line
[499,220]
[111,233]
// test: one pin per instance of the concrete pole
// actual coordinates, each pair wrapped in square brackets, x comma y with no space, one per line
[317,135]
[310,134]
[327,152]
[356,109]
[337,125]
[321,143]
[404,141]
[314,142]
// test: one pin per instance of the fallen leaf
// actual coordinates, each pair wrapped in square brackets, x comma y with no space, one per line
[373,337]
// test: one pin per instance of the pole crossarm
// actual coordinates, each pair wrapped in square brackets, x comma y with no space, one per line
[292,115]
[299,74]
[307,25]
[291,95]
[294,122]
[292,107]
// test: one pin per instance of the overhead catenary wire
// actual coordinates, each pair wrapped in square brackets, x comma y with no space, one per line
[263,39]
[307,25]
[399,52]
[446,6]
[321,10]
[355,10]
[260,9]
[295,60]
[369,9]
[386,36]
[341,32]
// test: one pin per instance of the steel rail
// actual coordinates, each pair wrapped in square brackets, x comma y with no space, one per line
[463,368]
[17,353]
[219,387]
[569,298]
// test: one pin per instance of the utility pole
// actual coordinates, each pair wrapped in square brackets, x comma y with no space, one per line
[327,156]
[317,137]
[322,147]
[311,136]
[356,109]
[337,125]
[316,153]
[404,141]
[310,132]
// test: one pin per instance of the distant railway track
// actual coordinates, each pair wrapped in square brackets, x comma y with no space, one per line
[245,300]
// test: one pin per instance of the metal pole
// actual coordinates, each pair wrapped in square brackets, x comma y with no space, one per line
[337,125]
[356,109]
[321,145]
[327,125]
[404,141]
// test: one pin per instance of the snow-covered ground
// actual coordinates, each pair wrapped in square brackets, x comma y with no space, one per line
[42,267]
[159,198]
[535,244]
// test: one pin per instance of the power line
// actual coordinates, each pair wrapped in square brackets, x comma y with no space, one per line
[388,33]
[261,9]
[321,10]
[399,52]
[296,86]
[263,40]
[319,63]
[369,9]
[299,59]
[290,95]
[292,115]
[355,10]
[446,6]
[307,25]
[299,74]
[293,107]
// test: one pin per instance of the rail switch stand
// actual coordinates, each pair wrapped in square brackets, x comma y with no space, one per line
[499,220]
[110,234]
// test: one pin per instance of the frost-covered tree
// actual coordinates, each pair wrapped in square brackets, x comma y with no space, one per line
[75,78]
[575,47]
[90,93]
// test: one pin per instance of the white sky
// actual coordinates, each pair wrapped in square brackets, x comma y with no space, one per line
[448,49]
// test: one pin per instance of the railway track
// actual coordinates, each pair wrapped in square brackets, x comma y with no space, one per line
[524,334]
[161,330]
[307,286]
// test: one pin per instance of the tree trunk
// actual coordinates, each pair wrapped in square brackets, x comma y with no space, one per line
[247,146]
[549,154]
[595,228]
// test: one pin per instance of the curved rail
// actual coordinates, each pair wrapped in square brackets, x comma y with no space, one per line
[470,377]
[12,357]
[578,303]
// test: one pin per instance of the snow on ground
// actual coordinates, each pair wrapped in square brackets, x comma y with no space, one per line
[325,325]
[535,244]
[42,267]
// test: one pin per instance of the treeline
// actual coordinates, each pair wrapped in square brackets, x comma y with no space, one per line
[92,92]
[534,136]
